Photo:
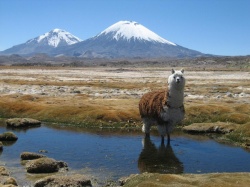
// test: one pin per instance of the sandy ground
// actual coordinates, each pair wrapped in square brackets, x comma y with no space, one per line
[65,82]
[96,95]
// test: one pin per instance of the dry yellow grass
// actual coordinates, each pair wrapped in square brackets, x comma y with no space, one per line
[74,110]
[81,108]
[217,111]
[206,101]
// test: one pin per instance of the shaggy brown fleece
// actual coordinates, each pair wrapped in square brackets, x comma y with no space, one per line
[151,104]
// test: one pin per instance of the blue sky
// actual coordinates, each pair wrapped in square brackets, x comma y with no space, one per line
[220,27]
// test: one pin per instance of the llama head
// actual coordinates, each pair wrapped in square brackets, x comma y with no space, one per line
[176,79]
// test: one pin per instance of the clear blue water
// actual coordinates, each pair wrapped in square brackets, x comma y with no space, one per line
[109,154]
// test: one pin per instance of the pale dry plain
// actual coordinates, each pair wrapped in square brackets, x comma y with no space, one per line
[110,96]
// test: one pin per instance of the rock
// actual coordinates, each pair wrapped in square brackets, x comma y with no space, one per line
[62,164]
[229,94]
[10,181]
[30,156]
[218,97]
[73,180]
[3,171]
[242,94]
[8,185]
[174,180]
[218,127]
[77,91]
[124,180]
[22,122]
[5,179]
[45,165]
[8,136]
[247,145]
[43,151]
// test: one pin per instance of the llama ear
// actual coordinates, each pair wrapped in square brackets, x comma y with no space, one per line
[182,70]
[173,71]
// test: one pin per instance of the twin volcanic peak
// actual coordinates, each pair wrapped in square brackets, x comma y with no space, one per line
[56,38]
[124,39]
[44,43]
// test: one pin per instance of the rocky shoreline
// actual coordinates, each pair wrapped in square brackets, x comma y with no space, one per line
[140,180]
[37,163]
[76,180]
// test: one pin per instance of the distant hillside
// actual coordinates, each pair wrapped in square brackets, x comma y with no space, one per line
[199,62]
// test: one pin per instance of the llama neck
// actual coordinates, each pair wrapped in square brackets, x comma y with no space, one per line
[175,97]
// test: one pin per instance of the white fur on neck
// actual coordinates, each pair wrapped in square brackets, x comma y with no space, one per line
[175,97]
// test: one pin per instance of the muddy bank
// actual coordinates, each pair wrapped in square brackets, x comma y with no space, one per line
[237,134]
[212,179]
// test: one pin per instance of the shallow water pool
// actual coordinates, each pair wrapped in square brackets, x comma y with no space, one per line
[110,154]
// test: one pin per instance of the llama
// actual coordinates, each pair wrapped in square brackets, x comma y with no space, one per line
[164,108]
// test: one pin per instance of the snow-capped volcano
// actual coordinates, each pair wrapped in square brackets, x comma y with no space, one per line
[44,43]
[56,37]
[131,30]
[126,39]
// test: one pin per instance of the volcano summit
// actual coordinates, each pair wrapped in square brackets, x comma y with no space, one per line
[124,39]
[44,43]
[127,39]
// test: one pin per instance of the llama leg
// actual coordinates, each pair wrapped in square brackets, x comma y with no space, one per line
[168,139]
[169,129]
[162,131]
[146,127]
[162,140]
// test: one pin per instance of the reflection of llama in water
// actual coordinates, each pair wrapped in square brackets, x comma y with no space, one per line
[161,160]
[164,108]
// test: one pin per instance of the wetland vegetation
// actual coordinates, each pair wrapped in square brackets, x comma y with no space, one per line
[107,98]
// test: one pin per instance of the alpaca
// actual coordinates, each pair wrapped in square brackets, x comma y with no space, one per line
[164,108]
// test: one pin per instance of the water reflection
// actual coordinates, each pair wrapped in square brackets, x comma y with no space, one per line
[20,129]
[158,160]
[8,143]
[114,153]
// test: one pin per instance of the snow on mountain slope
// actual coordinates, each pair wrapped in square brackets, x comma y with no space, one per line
[131,30]
[44,43]
[56,37]
[126,39]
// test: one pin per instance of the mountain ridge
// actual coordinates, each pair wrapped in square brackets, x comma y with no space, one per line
[44,43]
[124,39]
